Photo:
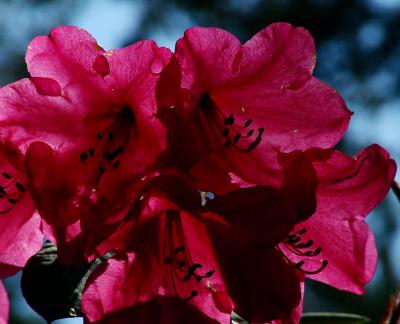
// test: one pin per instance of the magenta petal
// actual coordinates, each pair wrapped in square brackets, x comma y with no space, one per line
[267,80]
[159,310]
[67,55]
[295,315]
[262,286]
[46,86]
[20,236]
[349,188]
[4,305]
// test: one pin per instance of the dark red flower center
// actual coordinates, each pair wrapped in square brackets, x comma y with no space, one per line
[183,270]
[12,191]
[303,248]
[241,136]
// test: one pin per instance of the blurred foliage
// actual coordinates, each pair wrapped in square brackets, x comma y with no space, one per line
[358,53]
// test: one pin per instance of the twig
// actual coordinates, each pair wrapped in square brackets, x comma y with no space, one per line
[396,189]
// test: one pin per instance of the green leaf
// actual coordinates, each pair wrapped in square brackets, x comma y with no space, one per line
[236,319]
[52,290]
[333,318]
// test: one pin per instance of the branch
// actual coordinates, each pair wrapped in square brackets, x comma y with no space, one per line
[396,189]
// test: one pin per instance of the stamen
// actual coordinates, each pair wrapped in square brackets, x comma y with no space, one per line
[20,187]
[6,175]
[248,122]
[299,265]
[91,151]
[84,156]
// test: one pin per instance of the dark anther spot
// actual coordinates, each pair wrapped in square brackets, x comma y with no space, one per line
[209,273]
[20,187]
[6,175]
[229,120]
[84,156]
[250,132]
[91,151]
[2,191]
[110,136]
[206,103]
[116,164]
[13,201]
[99,136]
[248,122]
[227,142]
[236,138]
[168,260]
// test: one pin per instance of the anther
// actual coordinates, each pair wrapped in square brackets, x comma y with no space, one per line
[84,156]
[227,142]
[250,132]
[20,187]
[99,136]
[248,122]
[6,175]
[308,244]
[91,151]
[12,200]
[193,294]
[236,138]
[116,164]
[110,136]
[302,231]
[229,120]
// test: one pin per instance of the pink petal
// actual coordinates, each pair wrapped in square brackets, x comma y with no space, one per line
[4,305]
[142,278]
[20,236]
[66,55]
[295,315]
[349,188]
[137,67]
[289,116]
[262,286]
[46,86]
[268,80]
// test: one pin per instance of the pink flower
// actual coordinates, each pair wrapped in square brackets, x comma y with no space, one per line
[94,112]
[207,260]
[348,190]
[235,104]
[4,305]
[85,122]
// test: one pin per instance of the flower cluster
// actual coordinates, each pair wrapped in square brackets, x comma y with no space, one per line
[209,172]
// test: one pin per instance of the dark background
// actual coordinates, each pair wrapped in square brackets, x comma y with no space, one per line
[358,53]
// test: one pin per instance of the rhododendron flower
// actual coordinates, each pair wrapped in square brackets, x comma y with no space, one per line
[4,305]
[348,189]
[205,261]
[233,103]
[94,110]
[86,123]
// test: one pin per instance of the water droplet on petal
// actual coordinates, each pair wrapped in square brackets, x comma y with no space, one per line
[156,66]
